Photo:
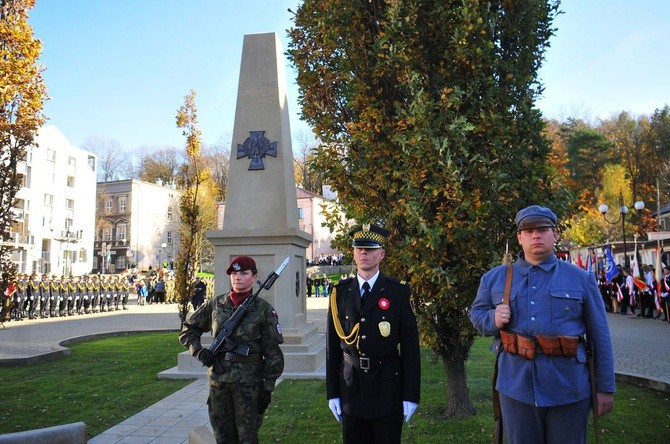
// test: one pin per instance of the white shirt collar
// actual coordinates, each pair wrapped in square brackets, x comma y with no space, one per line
[370,281]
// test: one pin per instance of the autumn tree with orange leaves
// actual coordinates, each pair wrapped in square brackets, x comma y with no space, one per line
[22,95]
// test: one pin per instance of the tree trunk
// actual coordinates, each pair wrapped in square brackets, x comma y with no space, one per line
[458,393]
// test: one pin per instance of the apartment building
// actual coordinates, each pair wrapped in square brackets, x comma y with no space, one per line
[137,225]
[54,211]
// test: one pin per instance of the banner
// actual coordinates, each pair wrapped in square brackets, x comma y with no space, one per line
[610,267]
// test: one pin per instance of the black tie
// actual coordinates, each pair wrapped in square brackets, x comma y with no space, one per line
[366,293]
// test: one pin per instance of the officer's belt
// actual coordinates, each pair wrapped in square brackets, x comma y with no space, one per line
[234,357]
[364,363]
[526,347]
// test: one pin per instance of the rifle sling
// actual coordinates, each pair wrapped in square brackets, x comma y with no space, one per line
[497,413]
[244,310]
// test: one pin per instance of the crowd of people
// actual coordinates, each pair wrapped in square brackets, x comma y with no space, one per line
[319,284]
[49,295]
[646,296]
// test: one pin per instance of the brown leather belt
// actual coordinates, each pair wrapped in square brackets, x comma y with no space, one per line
[364,363]
[234,357]
[518,344]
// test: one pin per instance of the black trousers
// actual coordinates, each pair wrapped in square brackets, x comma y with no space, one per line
[384,430]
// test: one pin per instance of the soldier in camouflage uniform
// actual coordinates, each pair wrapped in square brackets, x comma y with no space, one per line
[45,296]
[33,296]
[54,295]
[19,298]
[240,386]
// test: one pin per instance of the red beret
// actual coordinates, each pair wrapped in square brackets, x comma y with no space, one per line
[241,263]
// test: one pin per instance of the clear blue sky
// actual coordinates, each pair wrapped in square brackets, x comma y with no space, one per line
[120,69]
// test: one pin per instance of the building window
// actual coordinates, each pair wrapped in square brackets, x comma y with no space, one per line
[51,155]
[106,234]
[122,204]
[69,204]
[121,232]
[300,214]
[169,213]
[91,163]
[169,237]
[109,205]
[71,161]
[121,263]
[70,181]
[82,255]
[68,223]
[48,200]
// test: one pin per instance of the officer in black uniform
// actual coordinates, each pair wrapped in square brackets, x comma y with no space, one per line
[371,382]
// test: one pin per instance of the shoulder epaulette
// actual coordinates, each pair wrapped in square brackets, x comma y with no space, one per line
[344,281]
[398,281]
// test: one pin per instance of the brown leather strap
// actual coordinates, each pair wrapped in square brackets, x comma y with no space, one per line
[497,413]
[508,284]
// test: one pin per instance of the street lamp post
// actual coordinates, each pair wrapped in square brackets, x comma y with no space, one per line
[623,210]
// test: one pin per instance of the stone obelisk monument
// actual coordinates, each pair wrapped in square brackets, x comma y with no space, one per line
[261,212]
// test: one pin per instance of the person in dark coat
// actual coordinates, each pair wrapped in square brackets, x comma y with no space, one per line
[372,384]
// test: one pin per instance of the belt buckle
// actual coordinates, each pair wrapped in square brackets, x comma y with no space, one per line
[365,363]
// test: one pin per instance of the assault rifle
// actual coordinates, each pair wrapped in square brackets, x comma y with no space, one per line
[223,343]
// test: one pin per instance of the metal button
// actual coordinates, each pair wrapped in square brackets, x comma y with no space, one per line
[363,337]
[362,319]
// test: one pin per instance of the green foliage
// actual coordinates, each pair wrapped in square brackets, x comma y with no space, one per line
[588,153]
[427,121]
[102,382]
[22,95]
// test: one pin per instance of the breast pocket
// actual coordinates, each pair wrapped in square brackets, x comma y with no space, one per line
[498,296]
[566,305]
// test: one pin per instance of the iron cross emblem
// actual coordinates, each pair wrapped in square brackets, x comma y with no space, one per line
[256,147]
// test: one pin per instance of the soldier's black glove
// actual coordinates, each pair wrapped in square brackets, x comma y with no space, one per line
[264,401]
[205,356]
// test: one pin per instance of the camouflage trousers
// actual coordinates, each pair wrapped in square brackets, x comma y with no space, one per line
[233,412]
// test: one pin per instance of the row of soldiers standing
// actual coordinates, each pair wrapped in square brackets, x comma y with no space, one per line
[53,296]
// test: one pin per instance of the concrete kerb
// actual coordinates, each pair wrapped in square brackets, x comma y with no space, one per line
[643,382]
[74,433]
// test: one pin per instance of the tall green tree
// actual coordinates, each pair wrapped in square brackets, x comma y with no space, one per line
[22,95]
[426,114]
[588,152]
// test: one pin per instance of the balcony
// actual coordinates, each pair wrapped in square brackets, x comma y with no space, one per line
[20,240]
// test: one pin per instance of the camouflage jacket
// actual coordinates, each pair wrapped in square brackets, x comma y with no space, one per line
[259,329]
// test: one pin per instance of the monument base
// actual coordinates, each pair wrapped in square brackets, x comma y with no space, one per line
[304,356]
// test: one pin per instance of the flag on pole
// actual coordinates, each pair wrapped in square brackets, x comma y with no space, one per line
[640,283]
[634,265]
[589,262]
[658,275]
[610,268]
[619,294]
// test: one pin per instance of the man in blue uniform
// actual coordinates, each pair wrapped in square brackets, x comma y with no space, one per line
[543,376]
[371,383]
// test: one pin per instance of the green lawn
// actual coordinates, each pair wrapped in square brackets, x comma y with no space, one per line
[105,381]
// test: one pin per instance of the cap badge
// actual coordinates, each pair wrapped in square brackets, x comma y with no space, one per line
[236,266]
[366,227]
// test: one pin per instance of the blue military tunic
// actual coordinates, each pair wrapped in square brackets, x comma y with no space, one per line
[553,298]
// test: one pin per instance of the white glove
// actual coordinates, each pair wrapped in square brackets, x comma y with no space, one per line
[408,409]
[334,406]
